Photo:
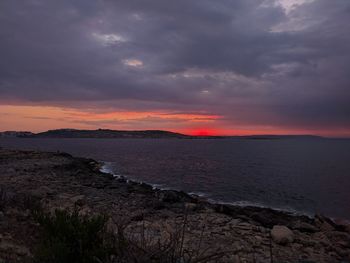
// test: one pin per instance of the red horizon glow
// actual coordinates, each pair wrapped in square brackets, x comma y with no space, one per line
[203,132]
[41,118]
[262,132]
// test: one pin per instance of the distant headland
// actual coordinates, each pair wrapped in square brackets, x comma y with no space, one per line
[131,134]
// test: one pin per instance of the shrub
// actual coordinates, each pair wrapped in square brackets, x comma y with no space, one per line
[71,238]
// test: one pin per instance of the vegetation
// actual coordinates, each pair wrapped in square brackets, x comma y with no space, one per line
[68,237]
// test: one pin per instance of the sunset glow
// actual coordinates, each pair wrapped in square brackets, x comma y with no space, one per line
[224,68]
[204,132]
[40,118]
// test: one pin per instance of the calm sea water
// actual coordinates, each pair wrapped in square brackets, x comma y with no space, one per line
[303,175]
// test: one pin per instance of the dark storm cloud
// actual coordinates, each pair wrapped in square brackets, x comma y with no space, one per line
[247,60]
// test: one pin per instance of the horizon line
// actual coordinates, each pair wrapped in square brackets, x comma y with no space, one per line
[187,134]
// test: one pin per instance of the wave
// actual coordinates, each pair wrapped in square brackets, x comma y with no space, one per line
[199,194]
[109,168]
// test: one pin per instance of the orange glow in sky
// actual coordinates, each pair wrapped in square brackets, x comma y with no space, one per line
[42,118]
[39,118]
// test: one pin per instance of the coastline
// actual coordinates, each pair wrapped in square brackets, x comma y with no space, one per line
[203,196]
[59,180]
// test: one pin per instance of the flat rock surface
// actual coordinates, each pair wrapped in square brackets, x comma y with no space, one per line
[243,234]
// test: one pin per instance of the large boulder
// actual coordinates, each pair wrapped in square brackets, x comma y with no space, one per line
[282,235]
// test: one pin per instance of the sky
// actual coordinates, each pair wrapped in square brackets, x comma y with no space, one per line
[223,67]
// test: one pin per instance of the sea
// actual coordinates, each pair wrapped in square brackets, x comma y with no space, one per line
[299,175]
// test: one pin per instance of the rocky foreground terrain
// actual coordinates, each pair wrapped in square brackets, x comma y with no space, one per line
[249,234]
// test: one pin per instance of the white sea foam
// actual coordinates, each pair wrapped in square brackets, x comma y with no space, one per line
[107,167]
[157,186]
[200,194]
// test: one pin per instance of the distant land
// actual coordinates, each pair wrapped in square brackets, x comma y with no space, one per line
[100,133]
[122,134]
[11,134]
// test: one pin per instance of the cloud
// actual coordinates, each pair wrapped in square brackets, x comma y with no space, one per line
[133,63]
[276,63]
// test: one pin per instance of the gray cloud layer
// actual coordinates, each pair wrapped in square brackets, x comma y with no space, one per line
[247,60]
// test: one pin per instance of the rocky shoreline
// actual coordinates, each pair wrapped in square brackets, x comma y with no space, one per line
[243,234]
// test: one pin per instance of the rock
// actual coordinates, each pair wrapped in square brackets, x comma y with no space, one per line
[191,206]
[158,205]
[11,248]
[282,235]
[258,239]
[263,218]
[341,252]
[225,209]
[78,200]
[343,225]
[121,179]
[235,259]
[326,227]
[10,170]
[143,188]
[42,192]
[138,217]
[2,215]
[306,227]
[324,223]
[171,196]
[340,238]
